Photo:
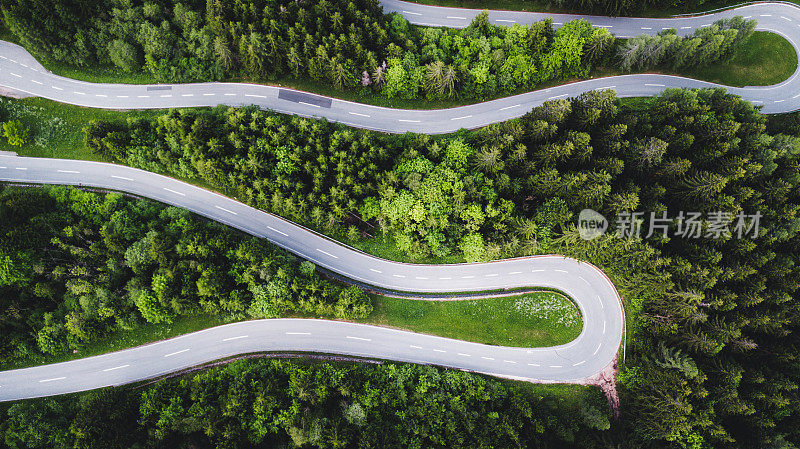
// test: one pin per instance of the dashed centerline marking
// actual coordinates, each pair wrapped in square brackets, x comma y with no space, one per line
[557,96]
[598,348]
[208,95]
[556,366]
[536,271]
[176,353]
[422,278]
[143,96]
[445,278]
[467,277]
[187,95]
[412,13]
[122,177]
[533,364]
[14,74]
[175,192]
[654,85]
[510,361]
[487,358]
[20,168]
[439,350]
[123,96]
[298,333]
[78,93]
[491,275]
[327,253]
[505,20]
[561,271]
[515,272]
[604,327]
[398,275]
[166,96]
[115,368]
[510,107]
[52,380]
[101,95]
[415,346]
[456,17]
[358,114]
[579,363]
[68,171]
[461,118]
[264,96]
[647,28]
[226,210]
[377,271]
[234,338]
[408,121]
[37,82]
[230,95]
[359,338]
[279,232]
[464,355]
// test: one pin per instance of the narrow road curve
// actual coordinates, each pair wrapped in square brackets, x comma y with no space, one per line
[20,71]
[592,291]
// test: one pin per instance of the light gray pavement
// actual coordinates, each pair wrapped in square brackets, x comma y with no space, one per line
[20,71]
[592,291]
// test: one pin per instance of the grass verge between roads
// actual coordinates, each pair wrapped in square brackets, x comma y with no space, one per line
[531,320]
[765,59]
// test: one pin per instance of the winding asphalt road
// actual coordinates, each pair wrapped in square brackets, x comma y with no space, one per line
[592,291]
[21,72]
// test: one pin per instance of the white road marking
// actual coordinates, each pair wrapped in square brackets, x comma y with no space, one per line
[208,95]
[37,82]
[705,25]
[464,355]
[607,87]
[173,191]
[515,272]
[506,20]
[308,104]
[647,28]
[122,96]
[457,17]
[654,85]
[20,168]
[101,95]
[226,210]
[51,380]
[579,363]
[421,278]
[230,95]
[533,364]
[558,96]
[467,277]
[416,347]
[234,338]
[584,280]
[556,366]
[298,333]
[359,338]
[358,114]
[786,18]
[765,15]
[166,96]
[398,275]
[779,101]
[560,271]
[412,13]
[536,271]
[14,74]
[408,121]
[3,167]
[605,26]
[510,361]
[377,271]
[279,232]
[461,118]
[68,171]
[439,350]
[598,348]
[327,253]
[685,28]
[264,96]
[122,177]
[23,65]
[510,107]
[187,95]
[176,353]
[798,95]
[604,327]
[78,93]
[115,368]
[143,96]
[487,358]
[491,275]
[445,278]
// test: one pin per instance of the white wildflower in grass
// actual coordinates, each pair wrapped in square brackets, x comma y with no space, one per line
[549,306]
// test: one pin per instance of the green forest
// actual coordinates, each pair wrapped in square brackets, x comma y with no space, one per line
[703,366]
[343,44]
[76,266]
